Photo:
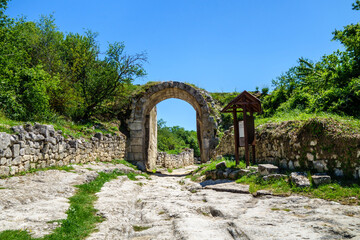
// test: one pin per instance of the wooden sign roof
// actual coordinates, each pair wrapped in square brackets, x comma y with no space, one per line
[245,99]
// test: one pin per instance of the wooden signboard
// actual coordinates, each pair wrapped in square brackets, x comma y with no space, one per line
[250,127]
[244,131]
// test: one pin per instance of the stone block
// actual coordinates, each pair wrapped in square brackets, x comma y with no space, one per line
[310,156]
[291,165]
[136,149]
[136,141]
[299,179]
[16,150]
[266,169]
[338,172]
[51,140]
[319,179]
[136,125]
[221,165]
[319,165]
[274,177]
[4,171]
[138,156]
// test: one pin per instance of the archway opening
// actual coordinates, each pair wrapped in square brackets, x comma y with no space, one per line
[142,143]
[176,127]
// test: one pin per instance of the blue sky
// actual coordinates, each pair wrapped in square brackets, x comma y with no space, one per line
[219,45]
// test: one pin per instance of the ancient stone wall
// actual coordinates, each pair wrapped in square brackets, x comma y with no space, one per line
[310,146]
[40,146]
[182,159]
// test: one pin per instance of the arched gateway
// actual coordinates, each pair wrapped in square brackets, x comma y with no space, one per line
[142,143]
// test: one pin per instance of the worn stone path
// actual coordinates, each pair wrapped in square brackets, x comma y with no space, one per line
[169,206]
[33,202]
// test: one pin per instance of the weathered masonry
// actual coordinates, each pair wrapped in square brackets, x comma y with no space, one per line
[142,143]
[40,146]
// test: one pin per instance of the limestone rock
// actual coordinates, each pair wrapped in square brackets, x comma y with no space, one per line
[260,193]
[221,165]
[266,169]
[4,141]
[319,179]
[300,179]
[274,176]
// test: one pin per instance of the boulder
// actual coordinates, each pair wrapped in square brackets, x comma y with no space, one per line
[319,179]
[266,169]
[299,179]
[221,165]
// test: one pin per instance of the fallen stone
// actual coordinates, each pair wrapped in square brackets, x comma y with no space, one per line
[274,177]
[253,169]
[300,179]
[219,174]
[243,172]
[260,193]
[234,174]
[266,169]
[319,179]
[221,165]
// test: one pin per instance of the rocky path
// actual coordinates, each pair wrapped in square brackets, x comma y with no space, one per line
[169,206]
[172,207]
[35,201]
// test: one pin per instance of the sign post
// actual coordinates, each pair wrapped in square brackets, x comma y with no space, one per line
[244,131]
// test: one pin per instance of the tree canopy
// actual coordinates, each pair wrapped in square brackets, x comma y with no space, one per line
[45,72]
[331,84]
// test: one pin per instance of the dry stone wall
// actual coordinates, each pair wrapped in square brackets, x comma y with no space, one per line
[182,159]
[40,146]
[308,146]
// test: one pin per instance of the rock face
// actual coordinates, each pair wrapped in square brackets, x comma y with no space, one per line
[297,145]
[300,179]
[183,159]
[40,146]
[142,121]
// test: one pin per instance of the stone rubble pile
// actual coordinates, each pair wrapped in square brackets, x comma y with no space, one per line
[268,172]
[40,146]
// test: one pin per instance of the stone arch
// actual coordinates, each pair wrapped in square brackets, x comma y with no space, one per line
[142,124]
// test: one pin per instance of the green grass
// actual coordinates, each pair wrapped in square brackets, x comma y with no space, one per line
[339,191]
[81,218]
[68,128]
[124,162]
[140,228]
[169,170]
[212,165]
[350,124]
